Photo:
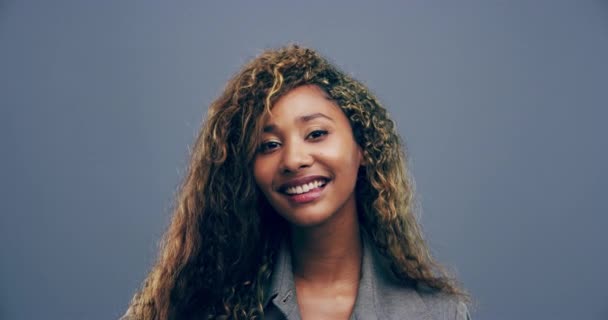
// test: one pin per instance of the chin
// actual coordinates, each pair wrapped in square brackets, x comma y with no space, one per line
[306,219]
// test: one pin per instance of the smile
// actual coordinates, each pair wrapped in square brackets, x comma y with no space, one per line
[317,184]
[307,192]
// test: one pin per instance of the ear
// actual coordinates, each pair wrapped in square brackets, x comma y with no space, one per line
[362,160]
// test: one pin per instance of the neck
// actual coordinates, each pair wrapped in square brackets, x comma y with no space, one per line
[328,253]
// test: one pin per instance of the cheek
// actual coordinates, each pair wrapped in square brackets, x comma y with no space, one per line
[257,173]
[261,173]
[345,156]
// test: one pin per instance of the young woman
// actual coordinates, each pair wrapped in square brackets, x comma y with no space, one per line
[297,205]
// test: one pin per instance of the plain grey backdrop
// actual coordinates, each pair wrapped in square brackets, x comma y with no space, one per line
[502,105]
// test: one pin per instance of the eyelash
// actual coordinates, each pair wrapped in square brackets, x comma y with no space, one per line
[323,133]
[264,146]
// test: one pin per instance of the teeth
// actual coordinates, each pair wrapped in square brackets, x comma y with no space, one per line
[305,187]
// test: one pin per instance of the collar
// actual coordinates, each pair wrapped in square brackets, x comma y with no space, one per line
[282,290]
[379,296]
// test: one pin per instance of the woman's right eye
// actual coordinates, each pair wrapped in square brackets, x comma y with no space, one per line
[268,146]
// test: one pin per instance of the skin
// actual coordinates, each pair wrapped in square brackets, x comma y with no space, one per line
[325,238]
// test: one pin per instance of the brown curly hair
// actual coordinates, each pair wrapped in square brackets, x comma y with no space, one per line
[216,256]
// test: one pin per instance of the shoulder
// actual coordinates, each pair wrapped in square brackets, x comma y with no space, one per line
[398,300]
[443,306]
[394,299]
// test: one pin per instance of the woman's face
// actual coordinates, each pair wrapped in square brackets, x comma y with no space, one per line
[308,160]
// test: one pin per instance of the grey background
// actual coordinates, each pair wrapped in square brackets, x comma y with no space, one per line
[502,105]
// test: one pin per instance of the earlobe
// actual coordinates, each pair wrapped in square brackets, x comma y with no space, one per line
[362,161]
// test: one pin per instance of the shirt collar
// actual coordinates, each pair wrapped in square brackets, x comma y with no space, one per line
[378,293]
[366,303]
[282,288]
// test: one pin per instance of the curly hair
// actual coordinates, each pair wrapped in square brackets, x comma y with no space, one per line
[217,255]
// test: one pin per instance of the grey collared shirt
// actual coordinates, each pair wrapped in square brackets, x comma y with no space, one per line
[379,296]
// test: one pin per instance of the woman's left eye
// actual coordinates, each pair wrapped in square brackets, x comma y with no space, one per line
[317,134]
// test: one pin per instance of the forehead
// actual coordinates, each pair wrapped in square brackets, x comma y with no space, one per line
[303,104]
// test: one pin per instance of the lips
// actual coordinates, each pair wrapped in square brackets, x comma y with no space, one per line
[300,182]
[304,196]
[306,187]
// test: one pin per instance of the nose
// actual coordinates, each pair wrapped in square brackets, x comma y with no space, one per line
[295,157]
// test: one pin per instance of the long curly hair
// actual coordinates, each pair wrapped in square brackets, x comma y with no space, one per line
[217,255]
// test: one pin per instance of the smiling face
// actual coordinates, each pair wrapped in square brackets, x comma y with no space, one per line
[308,160]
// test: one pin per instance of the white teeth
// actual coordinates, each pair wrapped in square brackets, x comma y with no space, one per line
[305,187]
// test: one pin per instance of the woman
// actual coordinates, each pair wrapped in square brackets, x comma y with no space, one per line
[297,204]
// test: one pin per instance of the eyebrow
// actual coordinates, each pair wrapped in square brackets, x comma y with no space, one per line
[300,119]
